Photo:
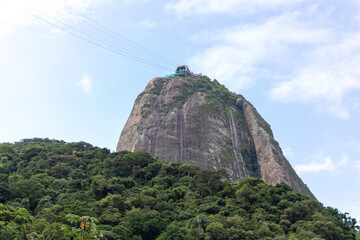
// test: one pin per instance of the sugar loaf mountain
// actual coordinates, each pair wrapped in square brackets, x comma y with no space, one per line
[51,189]
[186,117]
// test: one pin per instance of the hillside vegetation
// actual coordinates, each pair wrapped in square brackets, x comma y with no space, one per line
[135,196]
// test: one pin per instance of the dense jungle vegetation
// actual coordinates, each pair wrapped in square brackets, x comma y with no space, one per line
[44,183]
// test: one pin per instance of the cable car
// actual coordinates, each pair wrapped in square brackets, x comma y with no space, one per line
[181,70]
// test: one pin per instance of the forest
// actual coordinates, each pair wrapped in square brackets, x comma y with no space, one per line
[50,189]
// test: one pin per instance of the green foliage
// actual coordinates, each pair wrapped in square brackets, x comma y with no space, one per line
[85,227]
[157,87]
[17,223]
[134,196]
[172,233]
[216,94]
[199,222]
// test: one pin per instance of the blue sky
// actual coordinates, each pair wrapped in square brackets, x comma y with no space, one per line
[297,61]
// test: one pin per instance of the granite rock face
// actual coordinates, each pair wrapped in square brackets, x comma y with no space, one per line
[197,120]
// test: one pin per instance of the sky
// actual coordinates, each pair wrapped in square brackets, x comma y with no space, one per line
[71,70]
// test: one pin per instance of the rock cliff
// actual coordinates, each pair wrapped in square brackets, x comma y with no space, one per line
[198,120]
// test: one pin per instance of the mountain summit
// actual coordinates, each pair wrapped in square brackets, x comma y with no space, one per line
[194,119]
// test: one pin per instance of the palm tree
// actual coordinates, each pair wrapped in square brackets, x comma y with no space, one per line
[199,221]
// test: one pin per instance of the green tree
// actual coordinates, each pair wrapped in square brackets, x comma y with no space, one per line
[85,227]
[199,221]
[190,169]
[172,233]
[148,225]
[136,197]
[217,231]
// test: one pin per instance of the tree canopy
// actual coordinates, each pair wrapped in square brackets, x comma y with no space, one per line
[135,196]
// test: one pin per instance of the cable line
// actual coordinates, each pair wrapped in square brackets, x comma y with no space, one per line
[120,38]
[103,45]
[96,39]
[132,56]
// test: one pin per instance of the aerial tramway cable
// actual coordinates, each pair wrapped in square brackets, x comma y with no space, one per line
[122,39]
[97,42]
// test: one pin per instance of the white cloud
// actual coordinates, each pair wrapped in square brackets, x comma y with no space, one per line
[288,152]
[145,23]
[326,165]
[331,74]
[16,12]
[352,145]
[85,84]
[184,7]
[357,165]
[354,210]
[344,160]
[240,53]
[301,55]
[323,164]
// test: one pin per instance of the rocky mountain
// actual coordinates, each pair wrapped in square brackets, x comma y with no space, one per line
[198,120]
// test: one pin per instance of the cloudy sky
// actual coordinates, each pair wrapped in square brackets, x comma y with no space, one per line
[71,70]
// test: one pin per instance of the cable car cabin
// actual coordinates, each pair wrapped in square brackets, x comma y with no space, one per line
[184,70]
[181,70]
